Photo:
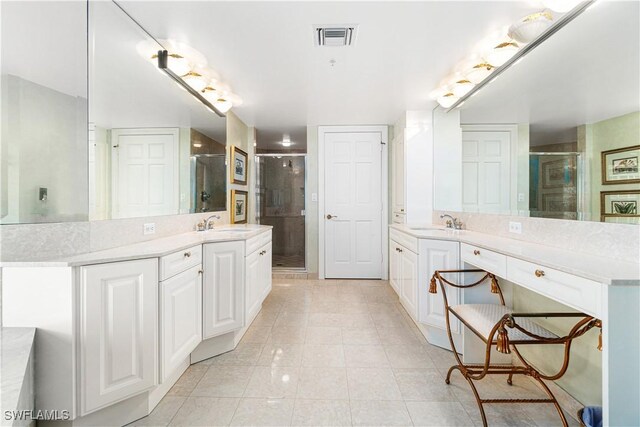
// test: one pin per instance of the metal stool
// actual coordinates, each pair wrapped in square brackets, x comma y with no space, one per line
[495,324]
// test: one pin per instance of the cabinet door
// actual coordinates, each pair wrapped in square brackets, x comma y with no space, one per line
[223,288]
[398,173]
[118,331]
[266,281]
[252,285]
[395,260]
[409,281]
[180,318]
[438,255]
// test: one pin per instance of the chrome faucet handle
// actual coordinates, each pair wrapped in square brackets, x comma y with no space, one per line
[457,224]
[449,224]
[200,226]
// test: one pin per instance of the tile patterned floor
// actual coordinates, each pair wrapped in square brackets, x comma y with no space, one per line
[337,353]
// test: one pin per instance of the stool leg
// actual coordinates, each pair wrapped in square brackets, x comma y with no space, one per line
[555,402]
[478,401]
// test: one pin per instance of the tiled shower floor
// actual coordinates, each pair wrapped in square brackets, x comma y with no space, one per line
[338,352]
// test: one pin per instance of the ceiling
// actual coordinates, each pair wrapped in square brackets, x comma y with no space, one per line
[587,72]
[265,51]
[270,139]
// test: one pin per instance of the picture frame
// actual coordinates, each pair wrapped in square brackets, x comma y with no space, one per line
[239,205]
[239,164]
[621,166]
[559,173]
[620,206]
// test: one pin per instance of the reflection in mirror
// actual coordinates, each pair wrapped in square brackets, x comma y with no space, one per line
[43,145]
[154,149]
[557,135]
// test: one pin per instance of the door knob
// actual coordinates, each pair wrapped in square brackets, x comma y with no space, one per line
[329,216]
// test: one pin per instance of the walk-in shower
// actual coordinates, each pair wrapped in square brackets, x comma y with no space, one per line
[280,198]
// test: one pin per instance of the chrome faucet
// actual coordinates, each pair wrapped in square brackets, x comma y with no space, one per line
[452,222]
[207,223]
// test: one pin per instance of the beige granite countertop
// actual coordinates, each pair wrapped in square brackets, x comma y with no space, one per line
[594,267]
[151,248]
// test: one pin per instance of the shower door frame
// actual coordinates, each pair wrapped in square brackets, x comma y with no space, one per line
[306,223]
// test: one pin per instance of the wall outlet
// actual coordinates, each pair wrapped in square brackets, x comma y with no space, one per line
[515,227]
[314,197]
[521,197]
[150,228]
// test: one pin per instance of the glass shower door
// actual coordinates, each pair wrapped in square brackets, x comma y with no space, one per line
[280,200]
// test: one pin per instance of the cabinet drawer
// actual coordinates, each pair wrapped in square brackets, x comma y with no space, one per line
[398,218]
[180,261]
[577,292]
[255,243]
[404,239]
[485,259]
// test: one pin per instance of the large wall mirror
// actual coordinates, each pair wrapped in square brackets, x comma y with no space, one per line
[557,135]
[103,134]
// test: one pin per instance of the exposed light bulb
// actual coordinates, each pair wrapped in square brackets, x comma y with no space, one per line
[447,100]
[223,105]
[195,80]
[479,72]
[502,53]
[197,144]
[462,87]
[178,64]
[286,143]
[210,93]
[531,26]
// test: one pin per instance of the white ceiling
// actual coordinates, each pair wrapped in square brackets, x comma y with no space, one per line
[586,72]
[265,51]
[271,139]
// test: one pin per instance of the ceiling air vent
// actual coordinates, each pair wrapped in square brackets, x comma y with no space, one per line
[335,35]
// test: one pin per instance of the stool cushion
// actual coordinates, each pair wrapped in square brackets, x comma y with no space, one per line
[483,317]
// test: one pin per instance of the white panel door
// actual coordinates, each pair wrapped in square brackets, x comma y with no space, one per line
[118,331]
[409,281]
[486,177]
[223,288]
[353,205]
[180,318]
[145,172]
[438,255]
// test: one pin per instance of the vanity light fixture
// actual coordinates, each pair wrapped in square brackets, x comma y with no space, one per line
[462,87]
[483,69]
[502,52]
[531,26]
[447,100]
[188,68]
[479,72]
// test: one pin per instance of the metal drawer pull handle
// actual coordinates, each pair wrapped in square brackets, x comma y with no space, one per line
[539,273]
[476,252]
[200,272]
[187,254]
[399,250]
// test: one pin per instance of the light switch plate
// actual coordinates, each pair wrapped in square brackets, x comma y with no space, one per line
[515,227]
[150,228]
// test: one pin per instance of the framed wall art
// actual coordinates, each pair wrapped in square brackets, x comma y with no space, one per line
[559,173]
[239,202]
[238,166]
[615,206]
[621,166]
